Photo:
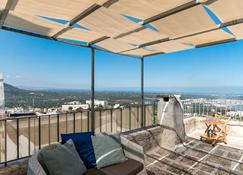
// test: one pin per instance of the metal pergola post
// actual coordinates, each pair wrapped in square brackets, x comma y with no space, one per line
[92,89]
[142,93]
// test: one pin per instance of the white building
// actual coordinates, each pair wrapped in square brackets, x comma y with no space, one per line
[73,103]
[69,107]
[116,106]
[98,102]
[2,104]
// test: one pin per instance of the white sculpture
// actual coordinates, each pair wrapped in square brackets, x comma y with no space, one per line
[170,116]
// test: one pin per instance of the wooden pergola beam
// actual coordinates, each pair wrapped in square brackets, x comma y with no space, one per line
[10,5]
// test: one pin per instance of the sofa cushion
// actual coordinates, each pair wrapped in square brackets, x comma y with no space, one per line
[129,167]
[62,160]
[40,159]
[108,149]
[94,171]
[84,146]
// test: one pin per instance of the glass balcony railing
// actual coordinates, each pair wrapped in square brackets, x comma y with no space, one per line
[213,108]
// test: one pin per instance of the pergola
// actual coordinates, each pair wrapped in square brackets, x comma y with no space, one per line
[135,28]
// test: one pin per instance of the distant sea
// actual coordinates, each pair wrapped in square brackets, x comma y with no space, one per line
[227,90]
[201,90]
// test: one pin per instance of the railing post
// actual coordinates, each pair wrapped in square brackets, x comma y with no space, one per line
[130,118]
[66,124]
[74,122]
[154,106]
[92,89]
[88,118]
[49,129]
[111,120]
[29,136]
[121,118]
[17,138]
[81,122]
[100,121]
[144,114]
[138,116]
[142,93]
[39,131]
[193,108]
[5,144]
[58,126]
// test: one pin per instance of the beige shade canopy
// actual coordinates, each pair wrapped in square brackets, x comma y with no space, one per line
[60,9]
[185,22]
[142,36]
[164,47]
[33,23]
[141,51]
[237,30]
[144,9]
[106,22]
[170,46]
[227,10]
[111,25]
[215,36]
[80,35]
[115,46]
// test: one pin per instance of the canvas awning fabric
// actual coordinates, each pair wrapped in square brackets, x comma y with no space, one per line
[186,22]
[237,30]
[207,38]
[144,9]
[135,28]
[227,10]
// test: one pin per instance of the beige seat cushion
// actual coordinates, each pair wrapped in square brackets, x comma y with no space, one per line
[129,167]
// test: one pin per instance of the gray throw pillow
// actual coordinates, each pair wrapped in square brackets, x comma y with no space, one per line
[63,160]
[108,149]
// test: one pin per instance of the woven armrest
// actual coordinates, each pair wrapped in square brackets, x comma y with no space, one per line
[34,167]
[132,150]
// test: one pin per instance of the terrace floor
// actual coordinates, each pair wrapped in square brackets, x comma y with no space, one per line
[197,158]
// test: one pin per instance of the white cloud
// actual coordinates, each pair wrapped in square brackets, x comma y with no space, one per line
[18,76]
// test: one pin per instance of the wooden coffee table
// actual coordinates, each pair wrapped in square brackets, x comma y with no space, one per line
[216,131]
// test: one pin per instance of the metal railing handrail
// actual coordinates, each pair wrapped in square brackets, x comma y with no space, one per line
[35,128]
[71,112]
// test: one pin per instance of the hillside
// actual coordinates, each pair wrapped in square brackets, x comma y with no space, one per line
[16,97]
[10,90]
[19,97]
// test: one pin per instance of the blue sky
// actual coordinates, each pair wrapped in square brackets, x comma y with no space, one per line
[33,62]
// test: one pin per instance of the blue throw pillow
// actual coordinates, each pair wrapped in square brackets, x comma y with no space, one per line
[84,146]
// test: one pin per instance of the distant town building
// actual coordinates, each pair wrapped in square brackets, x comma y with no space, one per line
[103,103]
[116,106]
[73,103]
[2,102]
[73,107]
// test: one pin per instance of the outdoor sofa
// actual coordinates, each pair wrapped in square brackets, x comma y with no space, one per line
[132,166]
